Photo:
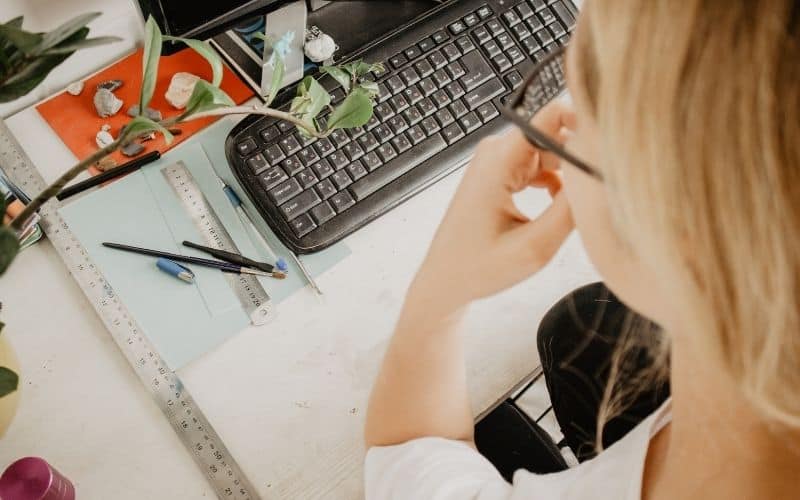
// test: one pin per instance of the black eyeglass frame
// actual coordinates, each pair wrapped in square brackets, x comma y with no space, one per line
[535,136]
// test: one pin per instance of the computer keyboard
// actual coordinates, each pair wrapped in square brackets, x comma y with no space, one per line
[445,77]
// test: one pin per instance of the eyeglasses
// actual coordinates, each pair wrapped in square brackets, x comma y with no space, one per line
[545,82]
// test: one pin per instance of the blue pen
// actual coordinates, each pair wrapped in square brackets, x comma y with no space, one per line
[174,269]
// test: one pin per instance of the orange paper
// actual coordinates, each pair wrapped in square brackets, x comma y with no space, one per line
[76,121]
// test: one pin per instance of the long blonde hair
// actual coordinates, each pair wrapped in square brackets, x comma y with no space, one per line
[698,103]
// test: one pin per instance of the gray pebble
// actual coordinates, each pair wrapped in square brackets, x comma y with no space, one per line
[111,85]
[133,149]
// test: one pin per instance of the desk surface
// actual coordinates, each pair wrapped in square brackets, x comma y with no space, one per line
[288,398]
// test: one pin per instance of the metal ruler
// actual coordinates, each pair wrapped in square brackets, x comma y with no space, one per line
[251,294]
[192,427]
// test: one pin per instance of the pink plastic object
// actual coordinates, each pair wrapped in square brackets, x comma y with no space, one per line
[34,479]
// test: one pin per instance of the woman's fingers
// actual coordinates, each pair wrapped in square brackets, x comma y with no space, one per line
[541,238]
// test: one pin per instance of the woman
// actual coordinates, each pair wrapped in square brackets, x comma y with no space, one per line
[687,117]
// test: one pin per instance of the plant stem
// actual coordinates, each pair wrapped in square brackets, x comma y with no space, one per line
[262,110]
[54,188]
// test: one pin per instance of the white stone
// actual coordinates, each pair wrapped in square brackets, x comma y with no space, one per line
[75,88]
[106,103]
[103,139]
[320,49]
[180,89]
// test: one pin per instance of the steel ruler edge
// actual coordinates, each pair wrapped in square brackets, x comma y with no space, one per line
[173,399]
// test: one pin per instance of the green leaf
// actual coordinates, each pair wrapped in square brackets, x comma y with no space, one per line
[65,48]
[152,52]
[142,125]
[66,30]
[354,111]
[9,247]
[318,98]
[9,381]
[370,87]
[16,22]
[277,78]
[208,53]
[338,74]
[25,41]
[206,97]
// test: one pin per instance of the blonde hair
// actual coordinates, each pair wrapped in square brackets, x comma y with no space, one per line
[698,103]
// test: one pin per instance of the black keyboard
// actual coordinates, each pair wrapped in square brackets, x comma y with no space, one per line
[445,78]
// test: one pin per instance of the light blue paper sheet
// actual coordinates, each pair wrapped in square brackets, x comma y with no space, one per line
[183,321]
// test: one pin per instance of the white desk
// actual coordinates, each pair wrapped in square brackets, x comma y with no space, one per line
[288,398]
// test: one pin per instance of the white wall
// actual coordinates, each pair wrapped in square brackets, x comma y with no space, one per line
[120,18]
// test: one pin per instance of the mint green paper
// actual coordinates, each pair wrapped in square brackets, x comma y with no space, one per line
[183,321]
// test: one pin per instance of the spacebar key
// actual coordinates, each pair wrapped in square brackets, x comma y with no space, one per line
[397,167]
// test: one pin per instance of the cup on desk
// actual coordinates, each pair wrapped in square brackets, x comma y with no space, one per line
[33,478]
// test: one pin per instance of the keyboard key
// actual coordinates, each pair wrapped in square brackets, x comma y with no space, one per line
[514,79]
[247,147]
[302,225]
[399,102]
[516,55]
[547,16]
[326,189]
[452,133]
[455,90]
[487,112]
[340,137]
[356,170]
[341,179]
[485,12]
[437,59]
[441,78]
[292,165]
[477,70]
[257,163]
[502,63]
[458,109]
[412,52]
[273,177]
[470,122]
[424,68]
[324,147]
[444,117]
[289,145]
[373,122]
[426,44]
[524,10]
[386,152]
[306,178]
[430,125]
[482,35]
[521,31]
[383,111]
[353,151]
[544,37]
[401,143]
[342,201]
[557,29]
[274,154]
[383,92]
[471,19]
[397,167]
[531,45]
[564,14]
[416,134]
[300,204]
[308,156]
[511,18]
[285,126]
[535,24]
[270,134]
[504,40]
[371,161]
[356,132]
[413,95]
[451,52]
[322,213]
[383,133]
[338,160]
[398,61]
[395,84]
[457,28]
[427,86]
[323,168]
[538,4]
[285,191]
[465,44]
[337,95]
[440,37]
[426,107]
[412,116]
[455,70]
[304,140]
[368,142]
[494,26]
[484,93]
[492,49]
[397,124]
[440,98]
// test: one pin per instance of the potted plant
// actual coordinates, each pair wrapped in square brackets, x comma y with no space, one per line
[26,58]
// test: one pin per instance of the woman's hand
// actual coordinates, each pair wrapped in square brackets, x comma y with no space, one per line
[484,243]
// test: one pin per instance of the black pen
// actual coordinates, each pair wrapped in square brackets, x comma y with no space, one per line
[233,258]
[225,267]
[108,175]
